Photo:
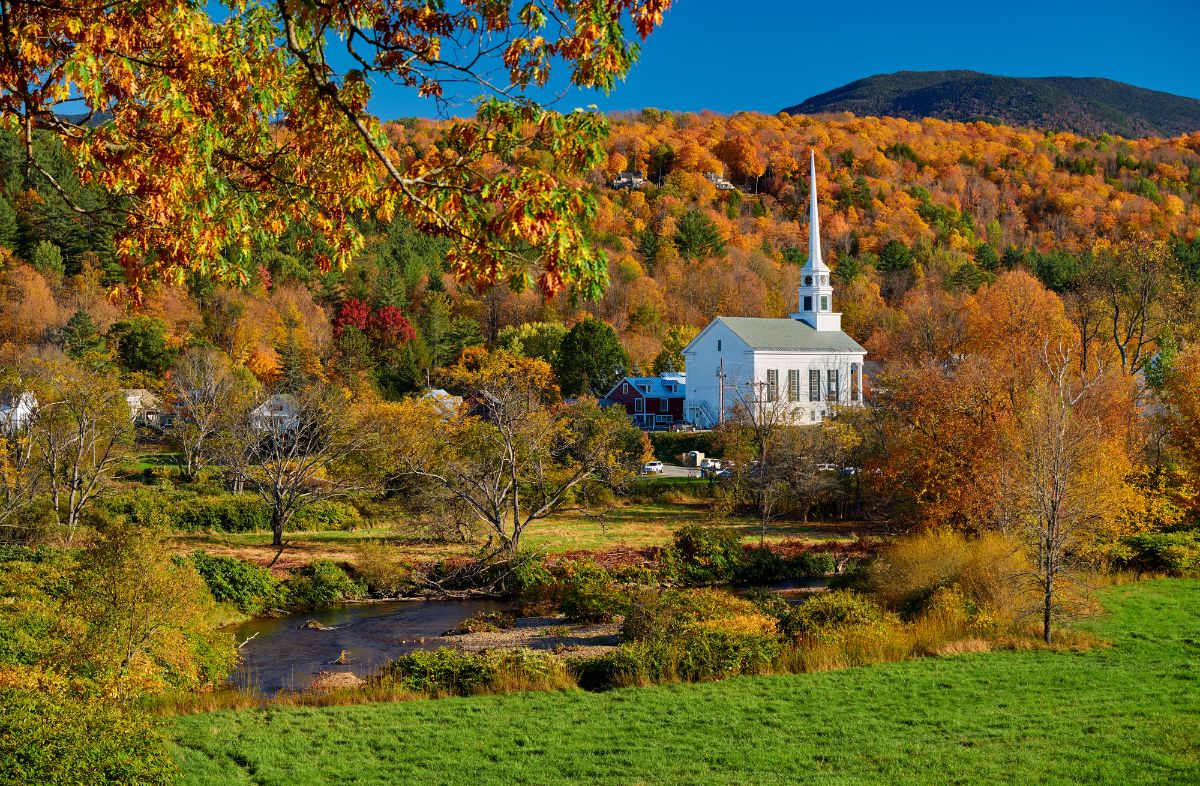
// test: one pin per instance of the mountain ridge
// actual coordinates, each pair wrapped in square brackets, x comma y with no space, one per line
[1084,105]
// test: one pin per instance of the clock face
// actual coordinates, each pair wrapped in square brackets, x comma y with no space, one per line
[808,281]
[824,280]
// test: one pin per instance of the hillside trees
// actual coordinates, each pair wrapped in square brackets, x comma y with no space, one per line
[514,460]
[499,186]
[82,431]
[206,391]
[294,449]
[590,359]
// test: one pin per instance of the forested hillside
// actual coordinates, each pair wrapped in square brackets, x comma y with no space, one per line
[1058,103]
[904,205]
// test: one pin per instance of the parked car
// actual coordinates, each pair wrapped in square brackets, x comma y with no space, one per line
[710,463]
[724,473]
[653,468]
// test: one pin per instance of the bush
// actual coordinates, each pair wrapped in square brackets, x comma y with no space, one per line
[586,592]
[326,516]
[702,555]
[985,569]
[760,566]
[249,587]
[1177,553]
[47,739]
[487,622]
[225,514]
[831,616]
[810,564]
[685,635]
[454,672]
[321,583]
[380,568]
[668,445]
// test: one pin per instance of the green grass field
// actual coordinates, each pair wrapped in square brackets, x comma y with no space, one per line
[1124,714]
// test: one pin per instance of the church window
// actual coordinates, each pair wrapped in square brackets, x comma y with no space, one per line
[832,379]
[772,384]
[808,302]
[824,302]
[855,371]
[793,384]
[814,384]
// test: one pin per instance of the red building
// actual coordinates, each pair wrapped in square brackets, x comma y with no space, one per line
[653,402]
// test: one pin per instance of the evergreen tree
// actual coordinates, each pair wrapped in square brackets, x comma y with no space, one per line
[697,236]
[390,289]
[293,376]
[141,344]
[895,256]
[591,359]
[81,340]
[987,258]
[47,259]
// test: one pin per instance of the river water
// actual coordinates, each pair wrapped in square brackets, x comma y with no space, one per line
[285,655]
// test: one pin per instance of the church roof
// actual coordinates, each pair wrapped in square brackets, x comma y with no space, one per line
[788,335]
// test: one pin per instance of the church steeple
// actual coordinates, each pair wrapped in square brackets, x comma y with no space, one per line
[815,262]
[816,291]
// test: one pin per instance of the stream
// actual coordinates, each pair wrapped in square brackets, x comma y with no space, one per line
[283,655]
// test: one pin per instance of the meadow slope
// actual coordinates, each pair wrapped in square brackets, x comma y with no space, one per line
[1126,714]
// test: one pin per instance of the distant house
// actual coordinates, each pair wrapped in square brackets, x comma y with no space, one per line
[447,403]
[278,414]
[652,402]
[629,180]
[721,183]
[17,408]
[146,409]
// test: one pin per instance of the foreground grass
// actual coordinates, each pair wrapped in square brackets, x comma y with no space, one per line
[629,525]
[1124,714]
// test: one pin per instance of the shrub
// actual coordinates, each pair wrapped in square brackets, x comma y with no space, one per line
[760,566]
[586,592]
[249,587]
[985,569]
[457,673]
[59,738]
[702,555]
[770,603]
[810,564]
[830,616]
[321,583]
[487,622]
[668,445]
[685,635]
[225,514]
[326,516]
[1177,553]
[380,568]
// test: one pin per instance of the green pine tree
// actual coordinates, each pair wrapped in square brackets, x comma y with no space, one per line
[8,225]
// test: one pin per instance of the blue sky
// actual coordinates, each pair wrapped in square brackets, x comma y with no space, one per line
[761,56]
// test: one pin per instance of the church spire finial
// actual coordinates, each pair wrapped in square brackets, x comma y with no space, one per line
[814,222]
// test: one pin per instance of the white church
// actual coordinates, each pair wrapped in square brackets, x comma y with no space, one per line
[805,360]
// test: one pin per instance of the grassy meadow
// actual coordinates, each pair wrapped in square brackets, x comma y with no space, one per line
[1128,713]
[634,524]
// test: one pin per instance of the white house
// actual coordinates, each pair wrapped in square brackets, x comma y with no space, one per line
[804,360]
[278,414]
[17,409]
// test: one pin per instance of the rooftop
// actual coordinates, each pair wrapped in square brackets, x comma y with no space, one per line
[788,335]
